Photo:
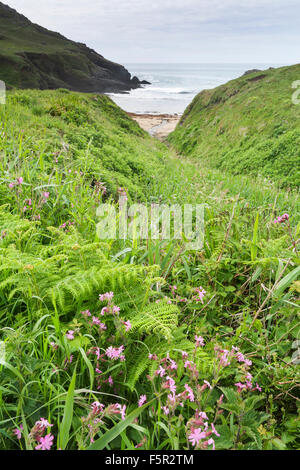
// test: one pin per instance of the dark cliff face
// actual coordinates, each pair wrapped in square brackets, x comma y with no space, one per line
[33,57]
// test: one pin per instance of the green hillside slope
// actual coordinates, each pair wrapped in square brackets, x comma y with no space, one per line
[58,137]
[247,126]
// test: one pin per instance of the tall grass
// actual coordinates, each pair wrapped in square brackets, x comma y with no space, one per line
[192,325]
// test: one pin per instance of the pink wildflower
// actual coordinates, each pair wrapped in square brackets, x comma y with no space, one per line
[107,296]
[220,401]
[249,381]
[208,384]
[122,410]
[114,353]
[202,415]
[196,436]
[241,358]
[86,313]
[173,290]
[188,365]
[153,357]
[240,386]
[161,371]
[97,407]
[214,430]
[70,334]
[128,325]
[282,219]
[211,442]
[224,359]
[104,310]
[18,432]
[190,392]
[45,442]
[110,380]
[97,352]
[170,384]
[142,400]
[199,341]
[172,398]
[201,293]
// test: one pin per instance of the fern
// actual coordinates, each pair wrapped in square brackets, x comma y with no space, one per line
[159,318]
[137,355]
[70,272]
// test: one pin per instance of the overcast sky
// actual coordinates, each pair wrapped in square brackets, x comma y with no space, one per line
[125,31]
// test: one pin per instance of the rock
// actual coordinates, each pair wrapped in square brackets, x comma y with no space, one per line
[135,80]
[251,71]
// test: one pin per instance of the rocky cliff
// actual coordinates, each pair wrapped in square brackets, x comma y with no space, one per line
[33,57]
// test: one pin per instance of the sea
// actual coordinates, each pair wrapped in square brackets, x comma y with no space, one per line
[173,86]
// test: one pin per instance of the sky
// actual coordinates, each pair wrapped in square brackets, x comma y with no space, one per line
[176,31]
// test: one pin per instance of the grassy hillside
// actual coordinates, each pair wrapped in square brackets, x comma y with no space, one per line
[74,135]
[248,126]
[33,57]
[95,334]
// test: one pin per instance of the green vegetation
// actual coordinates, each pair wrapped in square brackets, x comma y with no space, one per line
[207,318]
[248,126]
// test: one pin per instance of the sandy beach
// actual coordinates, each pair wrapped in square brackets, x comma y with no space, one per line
[158,125]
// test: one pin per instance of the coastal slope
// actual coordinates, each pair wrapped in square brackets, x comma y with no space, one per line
[33,57]
[64,154]
[248,126]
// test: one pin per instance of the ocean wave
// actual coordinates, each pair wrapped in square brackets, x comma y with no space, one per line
[168,90]
[173,86]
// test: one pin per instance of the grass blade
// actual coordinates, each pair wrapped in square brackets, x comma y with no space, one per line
[65,426]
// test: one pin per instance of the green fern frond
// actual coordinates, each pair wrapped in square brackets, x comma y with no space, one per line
[159,318]
[137,356]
